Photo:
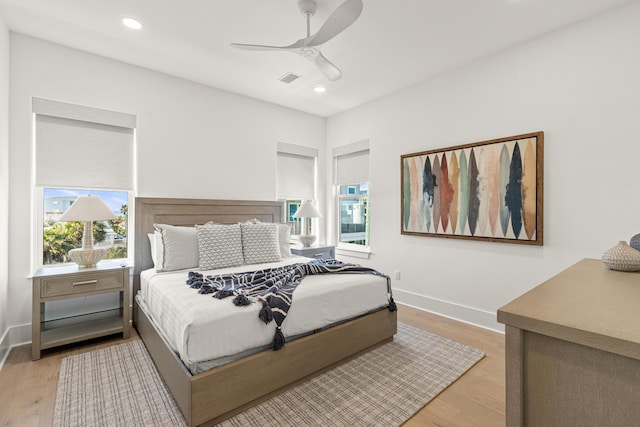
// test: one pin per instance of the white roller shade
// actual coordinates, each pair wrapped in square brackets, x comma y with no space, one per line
[353,168]
[79,146]
[352,162]
[296,176]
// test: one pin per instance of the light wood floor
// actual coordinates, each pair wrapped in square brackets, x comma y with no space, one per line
[478,397]
[28,389]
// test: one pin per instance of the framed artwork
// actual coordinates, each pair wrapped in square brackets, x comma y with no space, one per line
[489,190]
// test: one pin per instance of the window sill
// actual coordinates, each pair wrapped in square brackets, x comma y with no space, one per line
[353,252]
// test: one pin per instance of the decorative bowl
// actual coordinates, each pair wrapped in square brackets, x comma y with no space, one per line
[622,257]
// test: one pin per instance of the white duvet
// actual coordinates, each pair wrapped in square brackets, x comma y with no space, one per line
[201,328]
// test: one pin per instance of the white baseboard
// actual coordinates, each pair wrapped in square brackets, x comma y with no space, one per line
[13,337]
[4,348]
[20,335]
[462,313]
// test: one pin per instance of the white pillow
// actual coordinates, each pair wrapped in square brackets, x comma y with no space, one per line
[152,244]
[176,248]
[219,246]
[284,240]
[260,243]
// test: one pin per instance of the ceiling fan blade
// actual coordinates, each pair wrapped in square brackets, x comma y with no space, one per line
[328,69]
[341,18]
[296,45]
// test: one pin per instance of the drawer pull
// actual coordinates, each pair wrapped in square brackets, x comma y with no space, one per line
[86,282]
[320,254]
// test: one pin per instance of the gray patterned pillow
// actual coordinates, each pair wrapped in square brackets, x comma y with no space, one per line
[260,243]
[219,246]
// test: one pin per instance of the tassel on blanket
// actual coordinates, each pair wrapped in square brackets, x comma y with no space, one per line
[241,300]
[392,305]
[278,340]
[206,290]
[195,280]
[196,284]
[194,275]
[266,315]
[223,294]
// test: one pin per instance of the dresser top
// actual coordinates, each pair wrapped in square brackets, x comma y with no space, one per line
[587,304]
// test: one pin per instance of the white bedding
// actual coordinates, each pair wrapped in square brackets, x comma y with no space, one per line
[201,328]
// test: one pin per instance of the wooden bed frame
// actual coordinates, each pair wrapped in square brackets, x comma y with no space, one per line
[245,382]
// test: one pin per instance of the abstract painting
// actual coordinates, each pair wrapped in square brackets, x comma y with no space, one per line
[489,190]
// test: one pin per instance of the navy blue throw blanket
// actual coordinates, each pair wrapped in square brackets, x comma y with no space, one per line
[274,287]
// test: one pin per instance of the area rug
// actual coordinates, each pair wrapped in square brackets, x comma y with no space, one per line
[119,386]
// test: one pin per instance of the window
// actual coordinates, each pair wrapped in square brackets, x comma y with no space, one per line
[296,223]
[354,214]
[296,181]
[352,192]
[59,238]
[80,150]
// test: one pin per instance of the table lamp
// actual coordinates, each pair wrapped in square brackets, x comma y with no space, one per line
[307,210]
[88,209]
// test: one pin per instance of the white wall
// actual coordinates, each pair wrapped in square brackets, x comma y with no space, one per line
[579,85]
[193,141]
[4,186]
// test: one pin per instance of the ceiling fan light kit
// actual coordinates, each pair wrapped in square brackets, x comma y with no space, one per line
[309,47]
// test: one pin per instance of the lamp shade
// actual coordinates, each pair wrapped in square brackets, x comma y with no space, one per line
[87,208]
[307,210]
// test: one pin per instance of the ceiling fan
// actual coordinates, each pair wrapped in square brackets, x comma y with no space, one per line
[309,47]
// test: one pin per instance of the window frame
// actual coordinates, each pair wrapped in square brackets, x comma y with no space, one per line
[38,237]
[287,199]
[293,222]
[350,249]
[94,122]
[353,246]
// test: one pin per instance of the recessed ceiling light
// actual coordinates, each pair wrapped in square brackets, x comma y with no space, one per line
[320,89]
[131,23]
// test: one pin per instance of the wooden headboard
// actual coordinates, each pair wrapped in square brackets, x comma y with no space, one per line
[153,210]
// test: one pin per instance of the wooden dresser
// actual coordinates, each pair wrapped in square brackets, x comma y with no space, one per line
[573,350]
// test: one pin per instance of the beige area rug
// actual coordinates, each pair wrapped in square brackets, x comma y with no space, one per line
[119,386]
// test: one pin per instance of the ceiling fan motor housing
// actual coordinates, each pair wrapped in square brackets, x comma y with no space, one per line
[307,7]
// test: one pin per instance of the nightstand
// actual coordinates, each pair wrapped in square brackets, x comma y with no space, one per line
[60,283]
[315,251]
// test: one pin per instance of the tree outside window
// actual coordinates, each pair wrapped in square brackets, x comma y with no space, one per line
[60,237]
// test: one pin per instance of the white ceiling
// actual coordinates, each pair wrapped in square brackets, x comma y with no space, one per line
[394,43]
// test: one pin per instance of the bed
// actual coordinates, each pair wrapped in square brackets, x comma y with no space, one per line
[196,386]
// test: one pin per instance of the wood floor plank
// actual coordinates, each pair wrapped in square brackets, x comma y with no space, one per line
[478,397]
[28,389]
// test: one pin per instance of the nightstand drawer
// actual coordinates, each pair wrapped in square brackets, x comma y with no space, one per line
[315,252]
[318,253]
[81,284]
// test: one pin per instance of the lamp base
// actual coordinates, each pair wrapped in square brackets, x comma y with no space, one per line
[86,258]
[307,239]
